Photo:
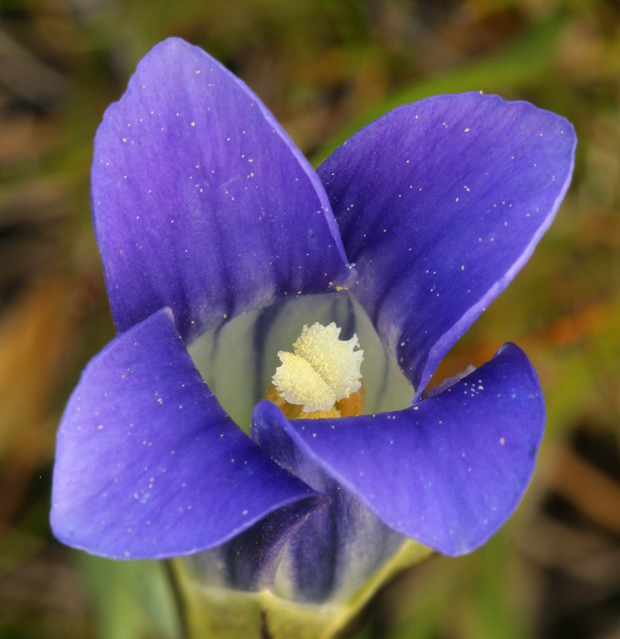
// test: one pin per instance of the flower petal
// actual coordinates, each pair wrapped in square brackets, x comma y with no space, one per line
[448,471]
[440,203]
[336,550]
[200,200]
[147,462]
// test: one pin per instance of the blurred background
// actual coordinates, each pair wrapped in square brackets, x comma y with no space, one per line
[324,68]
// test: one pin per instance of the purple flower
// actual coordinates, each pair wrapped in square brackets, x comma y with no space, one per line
[204,210]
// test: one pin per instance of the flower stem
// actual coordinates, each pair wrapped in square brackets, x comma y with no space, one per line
[179,599]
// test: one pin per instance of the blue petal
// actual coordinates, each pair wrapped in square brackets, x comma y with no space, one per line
[147,462]
[200,200]
[440,203]
[336,550]
[448,471]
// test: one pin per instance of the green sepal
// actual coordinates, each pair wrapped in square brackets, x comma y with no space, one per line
[218,613]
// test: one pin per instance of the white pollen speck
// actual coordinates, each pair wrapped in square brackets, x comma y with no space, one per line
[502,441]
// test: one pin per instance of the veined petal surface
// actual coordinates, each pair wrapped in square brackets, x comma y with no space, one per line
[449,470]
[148,465]
[200,200]
[249,561]
[440,203]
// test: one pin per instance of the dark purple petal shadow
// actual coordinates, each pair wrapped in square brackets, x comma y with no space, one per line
[250,560]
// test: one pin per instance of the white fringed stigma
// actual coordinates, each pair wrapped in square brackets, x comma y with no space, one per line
[322,369]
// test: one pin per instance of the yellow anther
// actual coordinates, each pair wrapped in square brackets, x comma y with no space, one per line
[321,371]
[347,407]
[321,414]
[353,405]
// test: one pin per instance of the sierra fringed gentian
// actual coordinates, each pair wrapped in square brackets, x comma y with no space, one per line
[206,214]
